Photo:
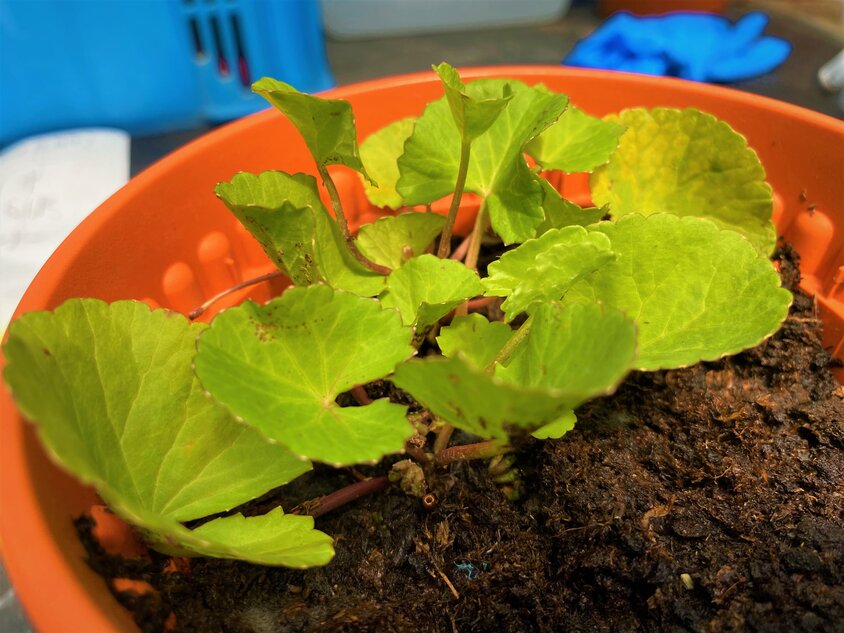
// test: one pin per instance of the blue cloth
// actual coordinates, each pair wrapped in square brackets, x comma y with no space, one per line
[697,46]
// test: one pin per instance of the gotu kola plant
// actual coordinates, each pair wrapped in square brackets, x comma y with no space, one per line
[174,421]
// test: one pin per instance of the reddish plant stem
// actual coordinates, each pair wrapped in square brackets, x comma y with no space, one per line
[344,225]
[481,450]
[360,395]
[460,252]
[198,312]
[337,499]
[476,305]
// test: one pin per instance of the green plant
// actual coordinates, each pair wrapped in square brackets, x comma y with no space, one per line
[679,275]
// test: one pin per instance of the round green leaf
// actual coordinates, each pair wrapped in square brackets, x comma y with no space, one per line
[389,240]
[475,338]
[576,142]
[695,291]
[497,168]
[281,366]
[543,269]
[583,348]
[477,402]
[101,381]
[274,538]
[427,288]
[688,163]
[570,355]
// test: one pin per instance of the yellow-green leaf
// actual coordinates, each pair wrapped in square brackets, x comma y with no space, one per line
[576,142]
[390,241]
[326,125]
[426,288]
[278,210]
[688,163]
[543,269]
[112,393]
[571,354]
[380,153]
[472,116]
[281,366]
[475,338]
[695,291]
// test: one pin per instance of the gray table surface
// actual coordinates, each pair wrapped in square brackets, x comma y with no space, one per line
[352,61]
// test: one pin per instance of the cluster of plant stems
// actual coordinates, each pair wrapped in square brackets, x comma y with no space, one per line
[441,453]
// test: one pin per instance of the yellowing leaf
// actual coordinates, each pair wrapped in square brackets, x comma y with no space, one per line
[380,154]
[688,163]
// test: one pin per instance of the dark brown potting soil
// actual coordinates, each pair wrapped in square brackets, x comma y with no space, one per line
[702,499]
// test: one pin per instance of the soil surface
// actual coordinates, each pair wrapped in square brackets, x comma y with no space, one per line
[703,499]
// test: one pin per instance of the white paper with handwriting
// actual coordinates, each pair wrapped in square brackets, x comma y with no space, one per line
[48,185]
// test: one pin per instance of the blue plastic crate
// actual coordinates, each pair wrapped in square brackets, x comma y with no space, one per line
[150,66]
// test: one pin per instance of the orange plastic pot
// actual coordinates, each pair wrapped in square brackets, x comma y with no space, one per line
[166,239]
